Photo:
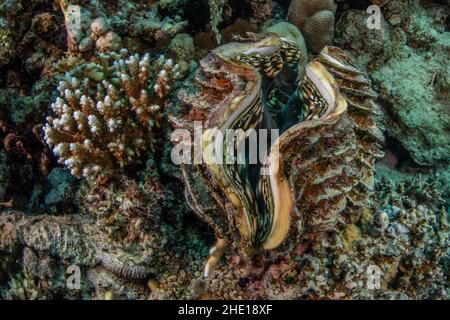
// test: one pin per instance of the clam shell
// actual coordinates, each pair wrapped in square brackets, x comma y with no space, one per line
[278,184]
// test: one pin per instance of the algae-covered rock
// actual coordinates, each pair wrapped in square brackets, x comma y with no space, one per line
[409,62]
[416,113]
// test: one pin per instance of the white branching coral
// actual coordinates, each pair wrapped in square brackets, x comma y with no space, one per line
[169,72]
[108,115]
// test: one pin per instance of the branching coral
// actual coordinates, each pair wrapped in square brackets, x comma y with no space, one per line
[315,19]
[107,115]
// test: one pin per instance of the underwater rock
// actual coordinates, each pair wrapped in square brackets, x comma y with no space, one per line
[49,244]
[5,175]
[408,62]
[27,159]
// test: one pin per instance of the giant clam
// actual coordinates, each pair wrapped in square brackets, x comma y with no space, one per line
[318,169]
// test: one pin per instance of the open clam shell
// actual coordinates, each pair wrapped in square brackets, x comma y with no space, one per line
[319,169]
[276,189]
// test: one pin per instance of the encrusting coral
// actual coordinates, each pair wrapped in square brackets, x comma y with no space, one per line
[315,19]
[108,115]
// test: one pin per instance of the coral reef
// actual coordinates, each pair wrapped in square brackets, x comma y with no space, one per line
[22,288]
[262,10]
[120,247]
[142,26]
[130,213]
[25,158]
[93,31]
[30,34]
[110,215]
[386,253]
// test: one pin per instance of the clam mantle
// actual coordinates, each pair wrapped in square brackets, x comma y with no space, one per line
[320,169]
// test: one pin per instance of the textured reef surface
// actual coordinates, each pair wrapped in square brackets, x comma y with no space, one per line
[351,200]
